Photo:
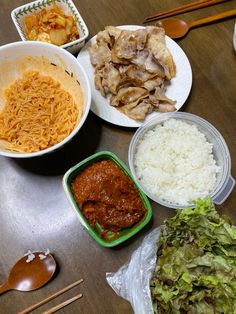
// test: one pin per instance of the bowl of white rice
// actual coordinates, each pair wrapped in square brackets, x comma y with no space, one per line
[179,157]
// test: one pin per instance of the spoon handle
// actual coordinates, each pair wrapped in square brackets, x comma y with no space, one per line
[212,18]
[4,287]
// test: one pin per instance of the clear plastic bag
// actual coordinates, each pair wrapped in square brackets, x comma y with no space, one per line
[131,281]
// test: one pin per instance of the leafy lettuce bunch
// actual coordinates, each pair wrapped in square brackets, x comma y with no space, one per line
[196,263]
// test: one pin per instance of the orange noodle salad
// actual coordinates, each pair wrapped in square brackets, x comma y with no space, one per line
[37,113]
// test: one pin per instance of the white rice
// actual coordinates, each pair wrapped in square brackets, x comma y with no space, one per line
[42,256]
[175,162]
[30,258]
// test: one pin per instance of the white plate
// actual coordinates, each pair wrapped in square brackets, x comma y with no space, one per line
[234,37]
[178,89]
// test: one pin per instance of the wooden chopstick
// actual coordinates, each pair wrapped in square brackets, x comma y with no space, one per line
[178,10]
[61,305]
[182,9]
[53,296]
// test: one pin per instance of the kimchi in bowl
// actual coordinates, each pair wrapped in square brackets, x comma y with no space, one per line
[45,98]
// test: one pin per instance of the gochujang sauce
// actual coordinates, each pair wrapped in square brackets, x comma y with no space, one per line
[106,195]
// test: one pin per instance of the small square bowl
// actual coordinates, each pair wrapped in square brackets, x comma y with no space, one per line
[67,6]
[95,232]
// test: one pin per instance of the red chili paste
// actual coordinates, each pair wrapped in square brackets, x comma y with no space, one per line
[106,195]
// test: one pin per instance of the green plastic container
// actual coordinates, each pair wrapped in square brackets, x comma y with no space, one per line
[95,232]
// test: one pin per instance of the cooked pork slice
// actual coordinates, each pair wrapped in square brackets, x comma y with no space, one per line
[166,108]
[144,58]
[137,75]
[114,32]
[98,83]
[133,66]
[111,78]
[108,36]
[128,95]
[156,43]
[125,46]
[104,38]
[137,111]
[140,57]
[99,55]
[115,59]
[150,85]
[128,43]
[141,38]
[160,95]
[153,66]
[123,68]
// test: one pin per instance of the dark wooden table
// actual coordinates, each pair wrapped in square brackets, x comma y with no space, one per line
[34,212]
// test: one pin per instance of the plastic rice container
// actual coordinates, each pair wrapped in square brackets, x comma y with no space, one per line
[224,181]
[96,231]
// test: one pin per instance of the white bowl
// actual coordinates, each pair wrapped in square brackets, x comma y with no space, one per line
[10,53]
[234,37]
[68,7]
[224,181]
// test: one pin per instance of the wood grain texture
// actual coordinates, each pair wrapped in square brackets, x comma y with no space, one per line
[34,212]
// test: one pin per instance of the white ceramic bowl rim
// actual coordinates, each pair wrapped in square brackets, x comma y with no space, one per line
[66,54]
[234,37]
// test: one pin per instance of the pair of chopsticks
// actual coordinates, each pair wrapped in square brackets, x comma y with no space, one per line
[182,9]
[53,296]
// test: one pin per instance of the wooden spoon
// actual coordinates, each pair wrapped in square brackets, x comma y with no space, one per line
[176,28]
[30,276]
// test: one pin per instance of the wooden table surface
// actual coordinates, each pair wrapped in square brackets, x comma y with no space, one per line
[34,212]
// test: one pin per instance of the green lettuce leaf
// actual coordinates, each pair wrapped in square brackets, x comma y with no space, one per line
[196,263]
